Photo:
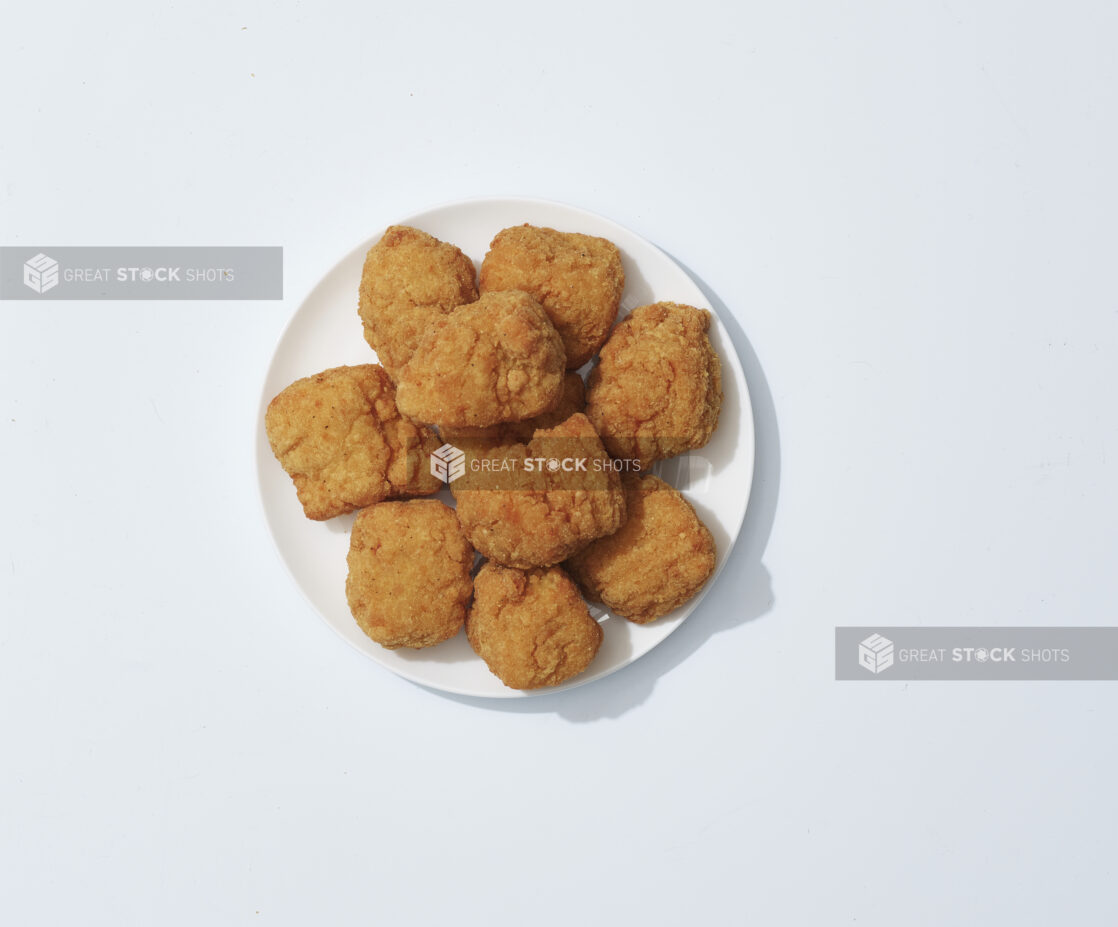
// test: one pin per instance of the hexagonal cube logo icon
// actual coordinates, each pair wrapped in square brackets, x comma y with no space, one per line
[448,463]
[875,653]
[40,273]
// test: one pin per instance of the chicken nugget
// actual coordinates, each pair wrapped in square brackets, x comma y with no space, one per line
[572,399]
[410,279]
[531,628]
[578,279]
[657,389]
[345,445]
[496,360]
[534,505]
[409,573]
[659,559]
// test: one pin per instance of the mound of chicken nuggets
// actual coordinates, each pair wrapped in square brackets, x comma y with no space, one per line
[478,387]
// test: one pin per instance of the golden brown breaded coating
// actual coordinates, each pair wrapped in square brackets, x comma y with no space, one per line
[531,628]
[409,573]
[410,279]
[660,558]
[496,360]
[577,278]
[345,445]
[529,515]
[572,399]
[657,390]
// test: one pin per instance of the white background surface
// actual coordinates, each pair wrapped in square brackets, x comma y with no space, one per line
[907,211]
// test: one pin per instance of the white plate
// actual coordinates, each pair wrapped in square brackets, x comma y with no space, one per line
[325,332]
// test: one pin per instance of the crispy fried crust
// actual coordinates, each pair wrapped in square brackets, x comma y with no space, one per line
[496,360]
[410,279]
[345,445]
[538,518]
[531,628]
[577,278]
[660,558]
[572,399]
[657,391]
[409,573]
